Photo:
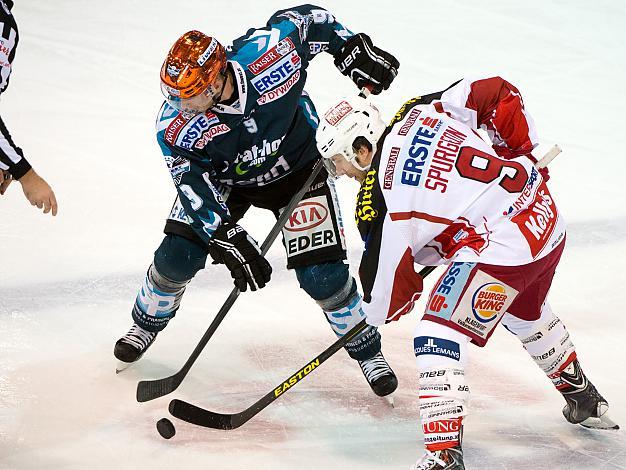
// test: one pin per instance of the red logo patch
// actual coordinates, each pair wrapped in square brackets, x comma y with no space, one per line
[437,303]
[306,216]
[538,221]
[391,166]
[444,425]
[333,116]
[172,131]
[272,56]
[404,130]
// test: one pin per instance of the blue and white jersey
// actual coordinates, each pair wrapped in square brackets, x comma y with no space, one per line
[268,132]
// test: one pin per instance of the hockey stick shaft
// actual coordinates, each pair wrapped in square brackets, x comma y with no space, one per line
[150,389]
[201,417]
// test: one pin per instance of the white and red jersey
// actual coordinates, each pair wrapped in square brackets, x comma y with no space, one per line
[438,193]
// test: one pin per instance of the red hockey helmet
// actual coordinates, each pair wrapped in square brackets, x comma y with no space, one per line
[192,66]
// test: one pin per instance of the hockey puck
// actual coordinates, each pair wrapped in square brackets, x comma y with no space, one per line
[166,428]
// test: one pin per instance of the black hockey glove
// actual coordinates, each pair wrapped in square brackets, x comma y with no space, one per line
[231,245]
[366,64]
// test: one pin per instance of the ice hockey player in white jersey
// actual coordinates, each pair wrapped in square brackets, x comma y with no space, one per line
[434,192]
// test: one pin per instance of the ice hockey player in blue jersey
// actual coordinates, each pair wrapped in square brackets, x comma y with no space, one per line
[237,130]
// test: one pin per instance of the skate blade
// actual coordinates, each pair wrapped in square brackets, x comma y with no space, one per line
[121,366]
[389,399]
[603,422]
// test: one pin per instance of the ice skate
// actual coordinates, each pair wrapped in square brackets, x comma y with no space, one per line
[446,459]
[130,347]
[379,375]
[584,404]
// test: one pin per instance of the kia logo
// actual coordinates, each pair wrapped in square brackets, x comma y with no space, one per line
[306,216]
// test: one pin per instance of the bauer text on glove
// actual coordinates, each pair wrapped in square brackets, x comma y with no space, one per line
[366,64]
[232,246]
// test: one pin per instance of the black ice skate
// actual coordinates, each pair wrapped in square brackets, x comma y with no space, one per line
[379,375]
[584,404]
[130,347]
[446,459]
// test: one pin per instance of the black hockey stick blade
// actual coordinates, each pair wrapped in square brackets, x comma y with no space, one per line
[201,417]
[209,419]
[150,389]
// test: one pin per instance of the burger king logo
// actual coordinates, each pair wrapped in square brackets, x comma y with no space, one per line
[488,300]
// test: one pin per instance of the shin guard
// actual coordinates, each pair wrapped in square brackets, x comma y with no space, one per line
[157,301]
[441,355]
[343,311]
[547,341]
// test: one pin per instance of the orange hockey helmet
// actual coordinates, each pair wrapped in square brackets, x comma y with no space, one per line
[192,65]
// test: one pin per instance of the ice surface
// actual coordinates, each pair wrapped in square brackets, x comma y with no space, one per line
[82,103]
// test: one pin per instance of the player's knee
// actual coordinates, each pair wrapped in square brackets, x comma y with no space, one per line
[323,281]
[178,258]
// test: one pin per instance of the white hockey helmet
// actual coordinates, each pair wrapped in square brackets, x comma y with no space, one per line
[346,120]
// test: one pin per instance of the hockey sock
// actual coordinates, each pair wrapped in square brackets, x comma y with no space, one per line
[441,355]
[157,301]
[547,341]
[343,311]
[443,396]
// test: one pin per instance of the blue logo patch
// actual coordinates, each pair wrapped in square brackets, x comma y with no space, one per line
[447,292]
[436,346]
[417,157]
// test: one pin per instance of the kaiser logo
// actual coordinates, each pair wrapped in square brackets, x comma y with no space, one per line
[307,215]
[488,300]
[172,131]
[207,53]
[281,49]
[335,115]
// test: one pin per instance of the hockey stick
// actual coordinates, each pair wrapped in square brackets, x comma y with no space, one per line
[209,419]
[150,389]
[548,157]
